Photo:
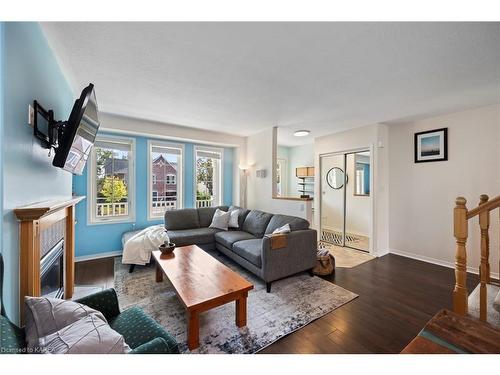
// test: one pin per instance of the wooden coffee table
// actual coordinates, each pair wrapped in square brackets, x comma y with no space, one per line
[202,283]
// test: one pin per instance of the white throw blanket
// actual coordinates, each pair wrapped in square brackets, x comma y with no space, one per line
[137,250]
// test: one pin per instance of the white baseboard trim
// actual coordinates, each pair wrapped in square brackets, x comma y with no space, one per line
[98,256]
[438,262]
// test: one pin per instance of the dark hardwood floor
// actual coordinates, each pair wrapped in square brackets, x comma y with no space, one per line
[397,296]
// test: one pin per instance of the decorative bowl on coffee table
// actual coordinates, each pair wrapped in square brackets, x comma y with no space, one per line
[167,248]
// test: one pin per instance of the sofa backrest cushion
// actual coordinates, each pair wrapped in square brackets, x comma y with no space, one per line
[206,214]
[256,222]
[277,221]
[186,218]
[241,215]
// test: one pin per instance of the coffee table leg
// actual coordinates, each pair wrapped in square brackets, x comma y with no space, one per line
[193,330]
[241,311]
[159,273]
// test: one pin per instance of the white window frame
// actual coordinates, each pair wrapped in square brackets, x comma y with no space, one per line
[180,175]
[195,184]
[92,218]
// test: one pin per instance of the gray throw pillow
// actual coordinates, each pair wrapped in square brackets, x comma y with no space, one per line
[45,316]
[89,335]
[220,220]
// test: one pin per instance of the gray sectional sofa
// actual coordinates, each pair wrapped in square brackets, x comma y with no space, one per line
[250,244]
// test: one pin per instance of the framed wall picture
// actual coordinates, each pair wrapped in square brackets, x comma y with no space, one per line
[431,145]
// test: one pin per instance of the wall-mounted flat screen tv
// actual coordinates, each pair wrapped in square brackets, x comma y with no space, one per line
[77,136]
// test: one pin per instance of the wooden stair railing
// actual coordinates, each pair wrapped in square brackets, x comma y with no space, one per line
[461,217]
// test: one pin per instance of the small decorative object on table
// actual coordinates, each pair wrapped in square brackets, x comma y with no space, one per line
[325,264]
[166,247]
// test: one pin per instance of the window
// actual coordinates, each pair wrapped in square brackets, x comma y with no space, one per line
[208,182]
[170,179]
[111,180]
[165,178]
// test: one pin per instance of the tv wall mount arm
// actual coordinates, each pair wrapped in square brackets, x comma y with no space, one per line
[54,129]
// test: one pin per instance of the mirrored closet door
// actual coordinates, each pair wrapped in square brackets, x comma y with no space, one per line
[346,199]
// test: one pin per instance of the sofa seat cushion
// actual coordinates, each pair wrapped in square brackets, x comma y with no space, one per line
[186,218]
[256,222]
[250,250]
[296,223]
[138,328]
[227,239]
[195,236]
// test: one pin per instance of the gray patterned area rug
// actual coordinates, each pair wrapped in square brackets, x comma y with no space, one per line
[294,302]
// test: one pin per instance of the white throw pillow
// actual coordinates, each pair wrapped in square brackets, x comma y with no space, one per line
[45,316]
[220,219]
[284,229]
[233,218]
[89,335]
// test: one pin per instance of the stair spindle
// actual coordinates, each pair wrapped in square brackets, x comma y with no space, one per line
[460,303]
[484,269]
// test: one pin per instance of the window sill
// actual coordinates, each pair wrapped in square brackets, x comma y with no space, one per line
[128,220]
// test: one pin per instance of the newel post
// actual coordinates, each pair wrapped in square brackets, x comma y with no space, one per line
[460,232]
[484,268]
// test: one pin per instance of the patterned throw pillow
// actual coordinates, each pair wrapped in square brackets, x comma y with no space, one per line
[45,316]
[89,335]
[220,220]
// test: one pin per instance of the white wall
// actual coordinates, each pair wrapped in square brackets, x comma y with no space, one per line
[122,124]
[374,136]
[422,196]
[259,156]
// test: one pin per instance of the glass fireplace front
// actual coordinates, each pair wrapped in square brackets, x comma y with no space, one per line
[52,272]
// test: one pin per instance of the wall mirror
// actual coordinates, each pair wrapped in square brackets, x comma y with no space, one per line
[293,169]
[335,178]
[362,173]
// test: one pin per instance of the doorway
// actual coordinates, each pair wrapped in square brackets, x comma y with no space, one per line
[346,199]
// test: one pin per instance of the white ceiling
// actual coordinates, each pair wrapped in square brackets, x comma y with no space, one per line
[240,78]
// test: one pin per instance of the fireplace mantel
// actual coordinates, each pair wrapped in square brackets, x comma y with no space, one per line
[34,219]
[38,210]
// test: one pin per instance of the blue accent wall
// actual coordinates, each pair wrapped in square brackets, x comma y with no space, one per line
[29,71]
[95,239]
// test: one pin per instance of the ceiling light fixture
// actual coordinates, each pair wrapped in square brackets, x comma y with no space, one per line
[301,133]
